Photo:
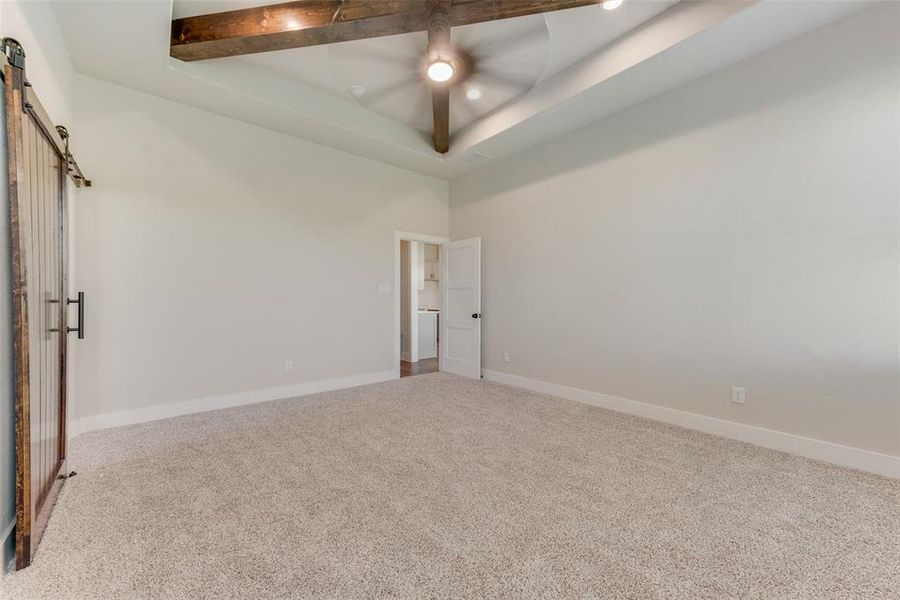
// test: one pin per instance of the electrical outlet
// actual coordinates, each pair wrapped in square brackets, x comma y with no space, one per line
[506,357]
[739,395]
[288,366]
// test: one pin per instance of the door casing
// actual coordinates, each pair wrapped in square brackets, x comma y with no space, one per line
[410,237]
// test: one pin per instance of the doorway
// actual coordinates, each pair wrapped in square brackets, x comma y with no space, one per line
[420,308]
[418,323]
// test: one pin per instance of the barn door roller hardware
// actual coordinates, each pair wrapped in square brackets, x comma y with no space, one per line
[14,56]
[72,167]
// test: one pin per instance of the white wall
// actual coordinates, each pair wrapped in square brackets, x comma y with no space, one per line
[211,251]
[49,69]
[47,63]
[741,230]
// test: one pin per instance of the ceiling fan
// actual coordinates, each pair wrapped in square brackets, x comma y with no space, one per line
[444,66]
[391,75]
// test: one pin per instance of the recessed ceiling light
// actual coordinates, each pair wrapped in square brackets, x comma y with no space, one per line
[440,71]
[612,4]
[473,94]
[357,90]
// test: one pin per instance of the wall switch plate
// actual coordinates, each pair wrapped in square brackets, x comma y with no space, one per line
[384,289]
[288,366]
[506,357]
[739,395]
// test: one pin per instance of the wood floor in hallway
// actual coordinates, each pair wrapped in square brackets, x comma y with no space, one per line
[428,365]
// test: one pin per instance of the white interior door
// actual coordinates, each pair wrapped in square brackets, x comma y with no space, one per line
[461,310]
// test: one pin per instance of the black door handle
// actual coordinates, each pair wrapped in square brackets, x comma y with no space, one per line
[80,303]
[476,315]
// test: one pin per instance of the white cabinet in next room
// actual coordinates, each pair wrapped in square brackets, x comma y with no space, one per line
[428,334]
[432,262]
[431,270]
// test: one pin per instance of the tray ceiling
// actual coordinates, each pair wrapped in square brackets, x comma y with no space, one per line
[513,55]
[541,75]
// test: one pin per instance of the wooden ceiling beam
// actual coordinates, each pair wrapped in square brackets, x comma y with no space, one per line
[314,22]
[439,41]
[292,25]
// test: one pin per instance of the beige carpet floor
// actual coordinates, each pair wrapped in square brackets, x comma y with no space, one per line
[436,486]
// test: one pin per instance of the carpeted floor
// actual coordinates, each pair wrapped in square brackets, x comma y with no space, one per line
[436,486]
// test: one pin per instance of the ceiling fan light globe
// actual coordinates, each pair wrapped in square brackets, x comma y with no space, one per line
[440,71]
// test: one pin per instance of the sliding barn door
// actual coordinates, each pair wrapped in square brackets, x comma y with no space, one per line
[38,163]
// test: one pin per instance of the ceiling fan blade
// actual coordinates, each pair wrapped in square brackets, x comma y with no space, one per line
[421,109]
[506,44]
[372,55]
[463,112]
[388,90]
[490,77]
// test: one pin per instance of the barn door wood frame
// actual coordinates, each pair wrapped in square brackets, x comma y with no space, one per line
[39,161]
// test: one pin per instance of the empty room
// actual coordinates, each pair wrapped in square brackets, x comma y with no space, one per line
[450,299]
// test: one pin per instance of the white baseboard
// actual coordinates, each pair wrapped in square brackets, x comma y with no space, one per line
[856,458]
[404,356]
[845,456]
[175,409]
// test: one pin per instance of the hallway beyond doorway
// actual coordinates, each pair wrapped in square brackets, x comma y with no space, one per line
[426,365]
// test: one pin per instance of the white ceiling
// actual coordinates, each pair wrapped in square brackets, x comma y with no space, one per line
[539,76]
[511,57]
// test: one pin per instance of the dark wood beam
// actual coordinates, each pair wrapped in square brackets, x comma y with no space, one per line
[314,22]
[440,104]
[438,42]
[292,25]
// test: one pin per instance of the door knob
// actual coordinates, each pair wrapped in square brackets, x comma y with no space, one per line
[476,315]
